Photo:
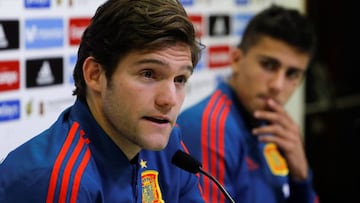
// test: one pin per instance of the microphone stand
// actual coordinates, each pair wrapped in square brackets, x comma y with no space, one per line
[188,163]
[227,195]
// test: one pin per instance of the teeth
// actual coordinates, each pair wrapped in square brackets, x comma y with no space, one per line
[158,120]
[161,120]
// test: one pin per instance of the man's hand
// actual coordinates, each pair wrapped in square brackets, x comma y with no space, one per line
[286,134]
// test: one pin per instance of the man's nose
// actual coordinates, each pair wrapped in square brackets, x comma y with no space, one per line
[277,81]
[167,95]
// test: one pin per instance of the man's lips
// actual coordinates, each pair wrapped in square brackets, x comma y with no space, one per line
[160,120]
[267,98]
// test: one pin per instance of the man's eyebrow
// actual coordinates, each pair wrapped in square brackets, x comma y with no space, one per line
[295,68]
[155,61]
[278,63]
[270,59]
[159,62]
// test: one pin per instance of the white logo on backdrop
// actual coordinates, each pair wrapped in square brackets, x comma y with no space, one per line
[45,75]
[35,33]
[3,40]
[31,33]
[219,26]
[8,78]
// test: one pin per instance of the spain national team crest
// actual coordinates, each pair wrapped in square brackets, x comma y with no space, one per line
[275,160]
[151,192]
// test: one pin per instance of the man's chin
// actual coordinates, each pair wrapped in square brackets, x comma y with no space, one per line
[156,145]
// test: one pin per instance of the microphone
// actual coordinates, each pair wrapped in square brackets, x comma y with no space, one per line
[190,164]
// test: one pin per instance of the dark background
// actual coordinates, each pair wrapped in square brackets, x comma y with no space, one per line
[332,118]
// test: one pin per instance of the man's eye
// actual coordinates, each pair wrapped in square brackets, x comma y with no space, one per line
[148,74]
[181,79]
[268,65]
[294,74]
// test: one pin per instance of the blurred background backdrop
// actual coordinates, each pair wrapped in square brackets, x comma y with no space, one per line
[332,96]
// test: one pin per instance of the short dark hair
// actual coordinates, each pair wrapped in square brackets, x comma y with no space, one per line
[285,24]
[121,26]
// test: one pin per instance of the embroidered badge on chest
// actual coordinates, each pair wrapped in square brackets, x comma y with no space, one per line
[151,192]
[275,160]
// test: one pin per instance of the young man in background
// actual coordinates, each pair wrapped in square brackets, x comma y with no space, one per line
[241,132]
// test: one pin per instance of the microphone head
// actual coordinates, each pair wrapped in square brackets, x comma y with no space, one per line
[186,162]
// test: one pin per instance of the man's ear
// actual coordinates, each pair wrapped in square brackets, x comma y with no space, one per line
[93,74]
[236,56]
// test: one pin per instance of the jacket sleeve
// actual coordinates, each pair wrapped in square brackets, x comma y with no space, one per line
[29,188]
[303,191]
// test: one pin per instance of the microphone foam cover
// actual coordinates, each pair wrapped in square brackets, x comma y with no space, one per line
[186,162]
